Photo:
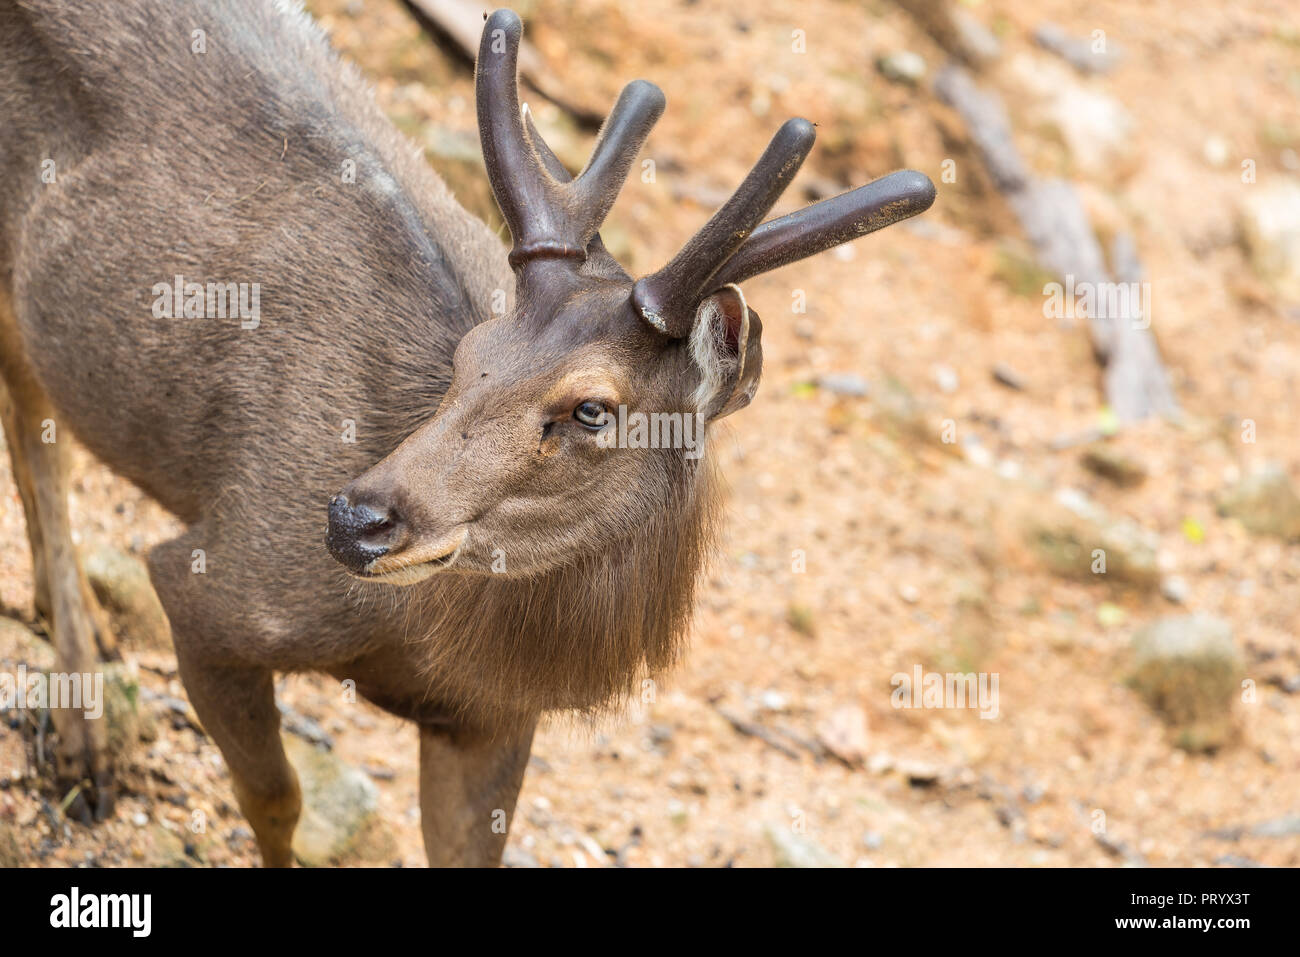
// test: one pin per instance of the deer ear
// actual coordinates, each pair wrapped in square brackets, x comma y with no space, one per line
[726,349]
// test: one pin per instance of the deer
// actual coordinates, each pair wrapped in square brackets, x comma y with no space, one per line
[477,556]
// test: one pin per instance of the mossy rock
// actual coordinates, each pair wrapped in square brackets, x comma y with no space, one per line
[1188,670]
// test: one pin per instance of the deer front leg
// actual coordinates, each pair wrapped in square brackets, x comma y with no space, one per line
[236,706]
[27,493]
[77,624]
[469,782]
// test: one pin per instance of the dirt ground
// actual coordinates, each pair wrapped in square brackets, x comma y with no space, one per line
[861,544]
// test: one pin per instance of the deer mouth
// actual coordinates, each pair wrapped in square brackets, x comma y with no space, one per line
[415,564]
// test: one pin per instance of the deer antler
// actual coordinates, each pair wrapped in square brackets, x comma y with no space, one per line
[667,299]
[828,223]
[552,215]
[549,218]
[729,249]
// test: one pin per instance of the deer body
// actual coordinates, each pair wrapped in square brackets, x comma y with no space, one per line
[229,166]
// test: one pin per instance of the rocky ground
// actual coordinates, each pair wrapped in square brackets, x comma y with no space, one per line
[923,481]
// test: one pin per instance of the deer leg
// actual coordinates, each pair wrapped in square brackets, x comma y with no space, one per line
[82,757]
[469,782]
[236,705]
[27,493]
[39,464]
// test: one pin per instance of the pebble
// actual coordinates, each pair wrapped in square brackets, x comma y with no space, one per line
[844,383]
[1174,589]
[903,66]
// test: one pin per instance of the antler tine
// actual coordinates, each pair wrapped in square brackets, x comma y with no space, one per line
[561,175]
[638,108]
[667,299]
[520,184]
[828,223]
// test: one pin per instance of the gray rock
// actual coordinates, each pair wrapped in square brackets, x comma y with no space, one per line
[1188,670]
[798,850]
[903,66]
[305,727]
[1067,532]
[339,808]
[1175,589]
[25,645]
[517,857]
[1007,376]
[121,583]
[1269,220]
[844,383]
[1106,462]
[1278,827]
[1266,503]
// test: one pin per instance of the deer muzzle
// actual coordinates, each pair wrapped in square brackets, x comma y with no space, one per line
[374,542]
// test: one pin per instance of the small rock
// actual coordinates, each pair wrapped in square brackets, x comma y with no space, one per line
[1107,462]
[305,727]
[844,734]
[339,807]
[919,774]
[1266,503]
[1068,533]
[661,735]
[798,850]
[121,583]
[515,856]
[1095,128]
[25,646]
[1008,376]
[1188,670]
[1269,219]
[945,377]
[128,723]
[903,66]
[1278,827]
[844,383]
[1215,151]
[1174,589]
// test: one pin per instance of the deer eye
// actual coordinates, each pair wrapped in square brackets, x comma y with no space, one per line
[591,414]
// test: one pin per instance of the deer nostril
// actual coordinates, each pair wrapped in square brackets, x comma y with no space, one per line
[360,533]
[374,525]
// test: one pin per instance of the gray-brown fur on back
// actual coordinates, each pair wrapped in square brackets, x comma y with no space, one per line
[227,166]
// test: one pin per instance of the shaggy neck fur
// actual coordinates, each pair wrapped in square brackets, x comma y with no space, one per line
[580,638]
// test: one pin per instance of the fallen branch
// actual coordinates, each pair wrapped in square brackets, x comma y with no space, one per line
[460,22]
[756,730]
[1135,382]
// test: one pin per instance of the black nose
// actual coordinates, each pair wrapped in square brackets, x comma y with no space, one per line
[360,533]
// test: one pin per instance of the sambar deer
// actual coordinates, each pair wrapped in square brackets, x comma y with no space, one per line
[543,569]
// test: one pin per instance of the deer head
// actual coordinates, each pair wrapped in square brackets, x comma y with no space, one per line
[527,464]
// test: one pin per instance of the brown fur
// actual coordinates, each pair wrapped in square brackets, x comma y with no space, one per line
[225,167]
